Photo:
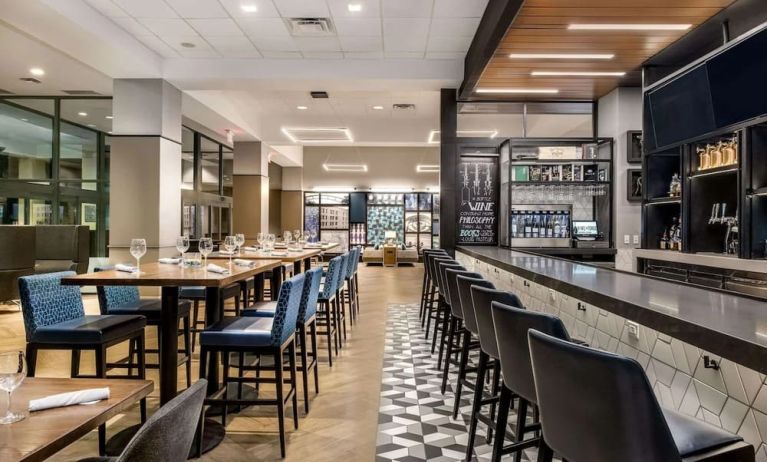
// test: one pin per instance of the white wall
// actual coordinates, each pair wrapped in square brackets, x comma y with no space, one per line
[619,112]
[387,167]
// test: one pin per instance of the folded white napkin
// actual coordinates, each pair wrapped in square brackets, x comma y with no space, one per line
[68,399]
[241,262]
[170,260]
[279,254]
[125,268]
[312,245]
[217,269]
[250,249]
[226,252]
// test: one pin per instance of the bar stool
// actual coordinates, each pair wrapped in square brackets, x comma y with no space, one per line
[327,308]
[445,300]
[616,416]
[196,294]
[431,295]
[511,326]
[341,305]
[55,319]
[456,329]
[307,320]
[126,300]
[488,355]
[261,336]
[349,293]
[470,339]
[355,277]
[427,287]
[433,312]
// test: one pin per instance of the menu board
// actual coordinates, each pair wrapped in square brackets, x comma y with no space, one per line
[478,200]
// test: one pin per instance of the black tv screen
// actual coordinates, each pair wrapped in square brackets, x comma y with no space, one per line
[737,78]
[682,109]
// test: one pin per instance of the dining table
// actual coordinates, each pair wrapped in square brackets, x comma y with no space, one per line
[300,258]
[43,433]
[171,277]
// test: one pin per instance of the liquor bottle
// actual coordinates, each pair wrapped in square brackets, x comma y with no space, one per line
[549,224]
[678,236]
[664,240]
[536,225]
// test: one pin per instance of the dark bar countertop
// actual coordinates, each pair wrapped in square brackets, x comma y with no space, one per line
[725,325]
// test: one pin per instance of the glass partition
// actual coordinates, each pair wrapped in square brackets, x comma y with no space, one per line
[26,141]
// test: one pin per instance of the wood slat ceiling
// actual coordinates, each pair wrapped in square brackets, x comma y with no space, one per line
[541,27]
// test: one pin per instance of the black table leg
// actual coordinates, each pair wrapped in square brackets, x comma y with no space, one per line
[297,267]
[276,282]
[307,264]
[212,315]
[258,287]
[169,345]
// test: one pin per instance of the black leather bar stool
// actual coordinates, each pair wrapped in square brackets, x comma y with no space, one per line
[470,339]
[428,287]
[433,312]
[597,406]
[488,356]
[511,326]
[455,329]
[444,307]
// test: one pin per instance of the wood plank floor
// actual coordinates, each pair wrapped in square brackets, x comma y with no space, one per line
[342,422]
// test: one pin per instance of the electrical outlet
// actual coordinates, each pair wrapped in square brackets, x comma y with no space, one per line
[626,239]
[633,329]
[552,295]
[636,239]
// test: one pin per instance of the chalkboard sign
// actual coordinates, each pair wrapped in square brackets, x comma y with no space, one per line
[478,200]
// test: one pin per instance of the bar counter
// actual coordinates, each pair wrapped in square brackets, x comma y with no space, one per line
[705,352]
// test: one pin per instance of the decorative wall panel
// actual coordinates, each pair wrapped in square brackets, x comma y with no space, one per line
[381,219]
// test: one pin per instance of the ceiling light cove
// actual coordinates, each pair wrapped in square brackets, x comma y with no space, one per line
[354,7]
[576,74]
[425,168]
[82,114]
[36,71]
[518,91]
[249,8]
[302,108]
[345,167]
[318,135]
[378,108]
[561,55]
[619,27]
[434,134]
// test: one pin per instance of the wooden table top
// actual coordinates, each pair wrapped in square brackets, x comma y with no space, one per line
[44,433]
[292,256]
[167,275]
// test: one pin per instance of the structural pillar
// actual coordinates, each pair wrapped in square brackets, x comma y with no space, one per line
[293,198]
[145,168]
[250,195]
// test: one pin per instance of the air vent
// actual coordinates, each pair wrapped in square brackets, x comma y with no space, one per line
[310,27]
[319,94]
[29,79]
[403,107]
[5,92]
[82,92]
[318,135]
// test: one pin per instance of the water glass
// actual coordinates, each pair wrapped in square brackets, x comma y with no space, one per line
[138,249]
[13,370]
[230,244]
[206,247]
[240,242]
[260,238]
[182,245]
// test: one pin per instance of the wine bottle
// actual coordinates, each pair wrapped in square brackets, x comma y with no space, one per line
[528,226]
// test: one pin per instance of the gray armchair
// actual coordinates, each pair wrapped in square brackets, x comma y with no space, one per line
[62,248]
[17,258]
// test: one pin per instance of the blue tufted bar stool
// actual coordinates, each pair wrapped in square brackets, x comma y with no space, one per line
[349,290]
[260,336]
[341,305]
[327,306]
[55,319]
[196,294]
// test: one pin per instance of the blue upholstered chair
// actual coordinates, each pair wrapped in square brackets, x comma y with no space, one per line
[126,300]
[340,296]
[348,290]
[196,294]
[327,306]
[260,336]
[55,319]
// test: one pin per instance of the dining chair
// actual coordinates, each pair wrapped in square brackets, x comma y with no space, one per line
[327,308]
[168,435]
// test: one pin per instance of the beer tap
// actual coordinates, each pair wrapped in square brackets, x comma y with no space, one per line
[488,181]
[714,214]
[476,179]
[465,192]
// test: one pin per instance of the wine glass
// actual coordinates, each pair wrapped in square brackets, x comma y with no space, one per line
[206,247]
[314,235]
[138,249]
[13,369]
[260,237]
[182,245]
[230,244]
[240,241]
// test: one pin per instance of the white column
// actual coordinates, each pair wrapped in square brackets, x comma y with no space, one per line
[250,195]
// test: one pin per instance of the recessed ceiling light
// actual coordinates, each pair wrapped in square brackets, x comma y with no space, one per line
[424,168]
[82,114]
[629,26]
[302,108]
[109,117]
[354,7]
[345,167]
[37,71]
[561,56]
[187,45]
[248,8]
[317,134]
[520,91]
[378,108]
[576,74]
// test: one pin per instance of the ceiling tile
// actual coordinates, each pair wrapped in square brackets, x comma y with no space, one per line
[362,26]
[356,43]
[322,54]
[445,55]
[363,55]
[302,8]
[168,27]
[274,43]
[340,8]
[176,41]
[448,43]
[405,34]
[241,54]
[215,27]
[107,8]
[147,8]
[264,8]
[459,8]
[230,43]
[199,54]
[132,26]
[281,54]
[408,8]
[465,27]
[270,27]
[158,46]
[318,43]
[198,8]
[404,54]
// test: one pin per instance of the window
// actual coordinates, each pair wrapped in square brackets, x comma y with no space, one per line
[210,165]
[187,159]
[26,141]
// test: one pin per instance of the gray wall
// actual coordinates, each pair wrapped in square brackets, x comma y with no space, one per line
[619,112]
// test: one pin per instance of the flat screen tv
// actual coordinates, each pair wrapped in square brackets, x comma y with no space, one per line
[737,78]
[682,108]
